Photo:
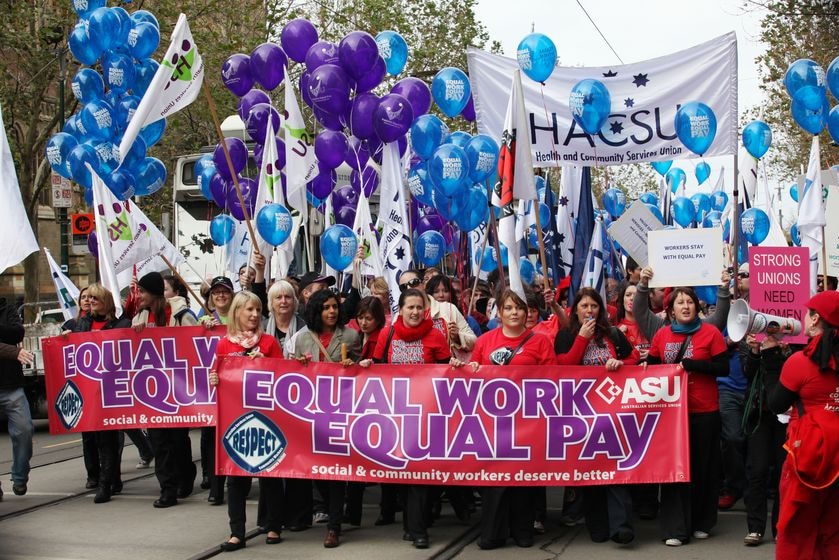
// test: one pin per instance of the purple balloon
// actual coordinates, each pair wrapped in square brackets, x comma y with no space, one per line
[93,244]
[238,155]
[357,153]
[328,120]
[393,117]
[249,188]
[373,77]
[358,52]
[323,183]
[345,195]
[367,180]
[257,121]
[322,52]
[304,88]
[219,188]
[361,115]
[345,215]
[297,37]
[268,62]
[259,149]
[468,112]
[236,74]
[416,91]
[330,148]
[253,97]
[329,89]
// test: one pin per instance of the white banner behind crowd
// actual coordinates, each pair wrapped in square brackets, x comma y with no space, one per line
[645,97]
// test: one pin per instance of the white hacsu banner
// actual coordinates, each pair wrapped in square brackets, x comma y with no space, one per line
[645,97]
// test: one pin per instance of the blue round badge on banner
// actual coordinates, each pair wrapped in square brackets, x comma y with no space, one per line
[254,443]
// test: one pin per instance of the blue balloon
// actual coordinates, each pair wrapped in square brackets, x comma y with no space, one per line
[144,16]
[833,77]
[222,228]
[152,133]
[448,168]
[662,167]
[84,7]
[76,160]
[702,172]
[125,26]
[273,222]
[648,198]
[430,248]
[803,72]
[684,212]
[449,206]
[675,178]
[712,219]
[103,27]
[696,126]
[701,204]
[458,138]
[656,212]
[483,157]
[526,270]
[614,201]
[833,123]
[88,85]
[150,175]
[144,71]
[143,39]
[719,200]
[811,97]
[793,191]
[338,246]
[488,262]
[708,294]
[757,137]
[121,183]
[82,47]
[118,70]
[124,111]
[536,55]
[754,223]
[203,178]
[394,50]
[475,210]
[795,236]
[98,119]
[451,90]
[58,149]
[107,157]
[811,120]
[427,133]
[590,104]
[136,154]
[420,184]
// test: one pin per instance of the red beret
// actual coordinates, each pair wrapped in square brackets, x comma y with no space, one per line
[826,304]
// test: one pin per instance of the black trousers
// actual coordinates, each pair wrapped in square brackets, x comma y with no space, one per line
[270,489]
[507,511]
[415,509]
[689,507]
[608,509]
[91,455]
[389,500]
[298,493]
[208,442]
[765,456]
[143,444]
[173,464]
[355,502]
[333,492]
[108,449]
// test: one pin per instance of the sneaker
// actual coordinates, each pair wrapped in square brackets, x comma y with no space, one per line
[538,527]
[753,539]
[726,500]
[320,517]
[700,535]
[19,489]
[673,542]
[143,464]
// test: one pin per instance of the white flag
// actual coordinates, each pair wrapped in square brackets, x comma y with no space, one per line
[16,238]
[593,273]
[748,178]
[570,184]
[776,237]
[301,164]
[237,251]
[104,203]
[68,293]
[811,219]
[720,184]
[161,247]
[175,85]
[395,248]
[371,265]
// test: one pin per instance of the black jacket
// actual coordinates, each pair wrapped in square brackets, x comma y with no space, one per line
[11,332]
[84,324]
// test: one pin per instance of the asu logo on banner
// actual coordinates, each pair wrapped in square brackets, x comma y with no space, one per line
[254,443]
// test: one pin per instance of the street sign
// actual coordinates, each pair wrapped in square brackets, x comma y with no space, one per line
[62,191]
[82,225]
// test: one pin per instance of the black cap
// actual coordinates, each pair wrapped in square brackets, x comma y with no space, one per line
[152,283]
[223,281]
[314,277]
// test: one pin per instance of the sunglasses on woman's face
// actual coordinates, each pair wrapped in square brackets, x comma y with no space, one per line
[412,283]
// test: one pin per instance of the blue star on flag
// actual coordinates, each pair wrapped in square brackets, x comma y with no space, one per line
[616,127]
[640,80]
[400,253]
[563,201]
[610,74]
[628,102]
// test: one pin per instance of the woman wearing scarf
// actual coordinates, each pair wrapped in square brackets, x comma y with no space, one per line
[173,464]
[808,523]
[246,338]
[322,340]
[699,348]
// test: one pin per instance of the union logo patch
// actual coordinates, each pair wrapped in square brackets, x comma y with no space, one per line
[254,443]
[68,404]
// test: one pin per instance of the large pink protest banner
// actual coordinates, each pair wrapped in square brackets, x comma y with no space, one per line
[779,284]
[433,424]
[119,379]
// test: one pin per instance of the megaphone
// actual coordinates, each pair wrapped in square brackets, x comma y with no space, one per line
[743,320]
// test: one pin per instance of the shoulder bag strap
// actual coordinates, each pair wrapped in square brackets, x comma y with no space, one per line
[322,349]
[522,343]
[682,349]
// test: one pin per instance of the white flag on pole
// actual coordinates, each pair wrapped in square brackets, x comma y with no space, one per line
[371,265]
[811,218]
[68,293]
[17,241]
[175,85]
[593,273]
[395,248]
[104,204]
[301,164]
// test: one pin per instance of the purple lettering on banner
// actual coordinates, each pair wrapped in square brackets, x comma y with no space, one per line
[511,397]
[184,378]
[603,439]
[151,387]
[539,398]
[470,439]
[329,400]
[327,428]
[457,394]
[505,440]
[170,354]
[427,442]
[116,355]
[88,358]
[573,397]
[373,398]
[69,353]
[206,349]
[562,432]
[256,388]
[362,437]
[116,391]
[294,393]
[402,397]
[637,438]
[146,356]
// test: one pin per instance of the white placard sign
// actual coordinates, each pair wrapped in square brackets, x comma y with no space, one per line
[631,229]
[831,231]
[685,257]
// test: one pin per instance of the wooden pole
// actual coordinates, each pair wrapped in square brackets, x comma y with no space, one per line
[475,283]
[494,223]
[540,238]
[214,113]
[187,286]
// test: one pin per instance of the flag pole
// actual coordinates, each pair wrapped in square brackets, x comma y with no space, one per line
[540,238]
[495,243]
[477,276]
[735,225]
[177,275]
[214,113]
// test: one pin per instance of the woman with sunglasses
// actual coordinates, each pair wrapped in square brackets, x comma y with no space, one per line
[245,337]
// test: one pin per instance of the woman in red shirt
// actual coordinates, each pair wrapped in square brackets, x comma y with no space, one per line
[627,323]
[246,338]
[699,348]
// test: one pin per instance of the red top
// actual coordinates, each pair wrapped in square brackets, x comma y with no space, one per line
[815,389]
[707,342]
[588,352]
[267,345]
[420,345]
[633,334]
[494,348]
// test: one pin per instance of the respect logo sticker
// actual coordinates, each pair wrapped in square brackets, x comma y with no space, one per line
[69,404]
[255,443]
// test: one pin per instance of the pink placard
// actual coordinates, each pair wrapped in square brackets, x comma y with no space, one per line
[779,284]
